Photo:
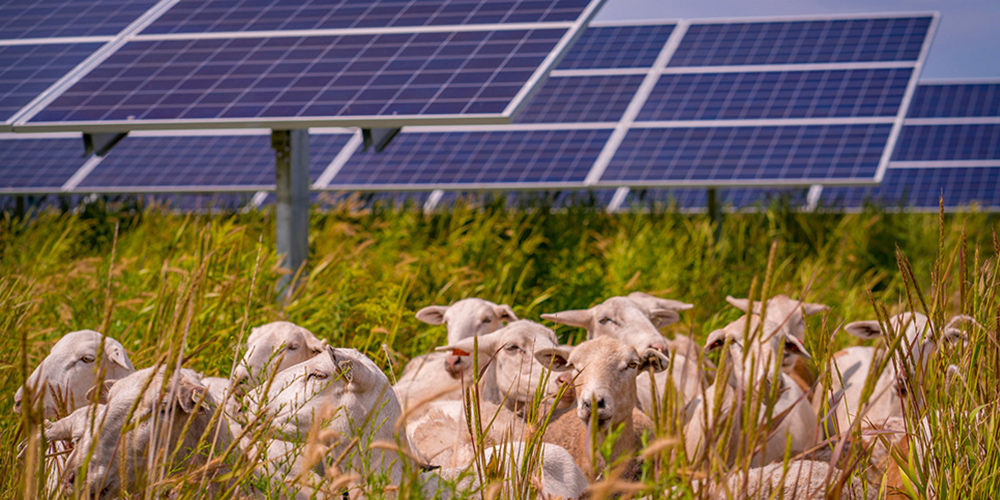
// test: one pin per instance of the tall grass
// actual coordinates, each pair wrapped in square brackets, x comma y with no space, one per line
[169,285]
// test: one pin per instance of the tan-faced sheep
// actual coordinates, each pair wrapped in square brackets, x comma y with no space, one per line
[272,348]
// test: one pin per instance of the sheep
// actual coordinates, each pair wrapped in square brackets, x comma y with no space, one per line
[604,372]
[636,320]
[275,346]
[801,480]
[168,416]
[345,405]
[439,375]
[62,380]
[751,378]
[790,314]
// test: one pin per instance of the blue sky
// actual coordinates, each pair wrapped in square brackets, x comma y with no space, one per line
[967,43]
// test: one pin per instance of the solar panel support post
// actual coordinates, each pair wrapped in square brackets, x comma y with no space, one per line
[714,213]
[291,158]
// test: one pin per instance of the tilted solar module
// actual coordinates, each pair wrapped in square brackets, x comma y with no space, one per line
[300,64]
[696,200]
[20,20]
[28,70]
[38,164]
[948,152]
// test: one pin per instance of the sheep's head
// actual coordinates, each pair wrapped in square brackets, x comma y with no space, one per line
[754,349]
[510,352]
[274,347]
[783,310]
[465,319]
[603,372]
[163,409]
[61,382]
[635,320]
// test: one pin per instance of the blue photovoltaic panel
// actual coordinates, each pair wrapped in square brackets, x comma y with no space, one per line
[198,16]
[606,47]
[68,18]
[455,158]
[193,161]
[955,100]
[571,99]
[948,142]
[558,199]
[923,188]
[733,154]
[38,164]
[697,199]
[323,76]
[28,70]
[777,94]
[802,42]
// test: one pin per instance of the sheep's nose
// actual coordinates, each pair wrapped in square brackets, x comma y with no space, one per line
[659,345]
[453,365]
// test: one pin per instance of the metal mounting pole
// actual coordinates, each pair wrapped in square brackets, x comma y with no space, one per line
[715,212]
[291,160]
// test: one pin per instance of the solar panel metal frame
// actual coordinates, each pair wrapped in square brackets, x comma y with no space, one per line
[21,121]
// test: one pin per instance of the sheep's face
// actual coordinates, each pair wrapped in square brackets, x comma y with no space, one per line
[274,347]
[635,320]
[754,349]
[603,372]
[465,319]
[510,351]
[158,423]
[63,379]
[783,310]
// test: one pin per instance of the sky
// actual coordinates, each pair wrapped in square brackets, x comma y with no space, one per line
[966,45]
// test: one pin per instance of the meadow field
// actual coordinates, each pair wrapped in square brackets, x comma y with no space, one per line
[192,285]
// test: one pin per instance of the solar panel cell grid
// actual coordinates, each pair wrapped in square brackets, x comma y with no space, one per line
[802,42]
[923,188]
[777,94]
[581,99]
[28,70]
[748,153]
[68,18]
[39,163]
[956,100]
[697,199]
[361,75]
[551,156]
[192,161]
[948,142]
[195,16]
[617,47]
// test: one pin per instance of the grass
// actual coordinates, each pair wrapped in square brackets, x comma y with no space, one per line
[163,283]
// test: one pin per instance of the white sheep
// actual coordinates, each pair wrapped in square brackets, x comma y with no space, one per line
[800,480]
[170,421]
[603,372]
[272,348]
[62,380]
[752,376]
[636,320]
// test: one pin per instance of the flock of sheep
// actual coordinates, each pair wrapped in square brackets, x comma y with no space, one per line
[325,421]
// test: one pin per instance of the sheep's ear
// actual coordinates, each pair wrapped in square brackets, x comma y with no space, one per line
[116,353]
[432,315]
[576,317]
[503,312]
[663,317]
[345,366]
[864,329]
[715,340]
[101,391]
[314,344]
[650,302]
[487,345]
[741,304]
[810,308]
[794,347]
[554,358]
[190,395]
[652,358]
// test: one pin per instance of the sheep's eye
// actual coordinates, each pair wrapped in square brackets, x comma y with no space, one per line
[513,348]
[487,320]
[317,376]
[717,343]
[604,320]
[632,365]
[293,347]
[88,358]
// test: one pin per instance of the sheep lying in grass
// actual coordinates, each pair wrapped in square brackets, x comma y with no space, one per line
[438,375]
[752,379]
[790,314]
[150,426]
[603,371]
[801,480]
[62,380]
[636,320]
[272,348]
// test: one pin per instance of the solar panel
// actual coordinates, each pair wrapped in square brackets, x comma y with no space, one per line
[923,188]
[617,46]
[578,99]
[949,142]
[27,70]
[696,200]
[948,100]
[211,162]
[68,18]
[394,63]
[38,165]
